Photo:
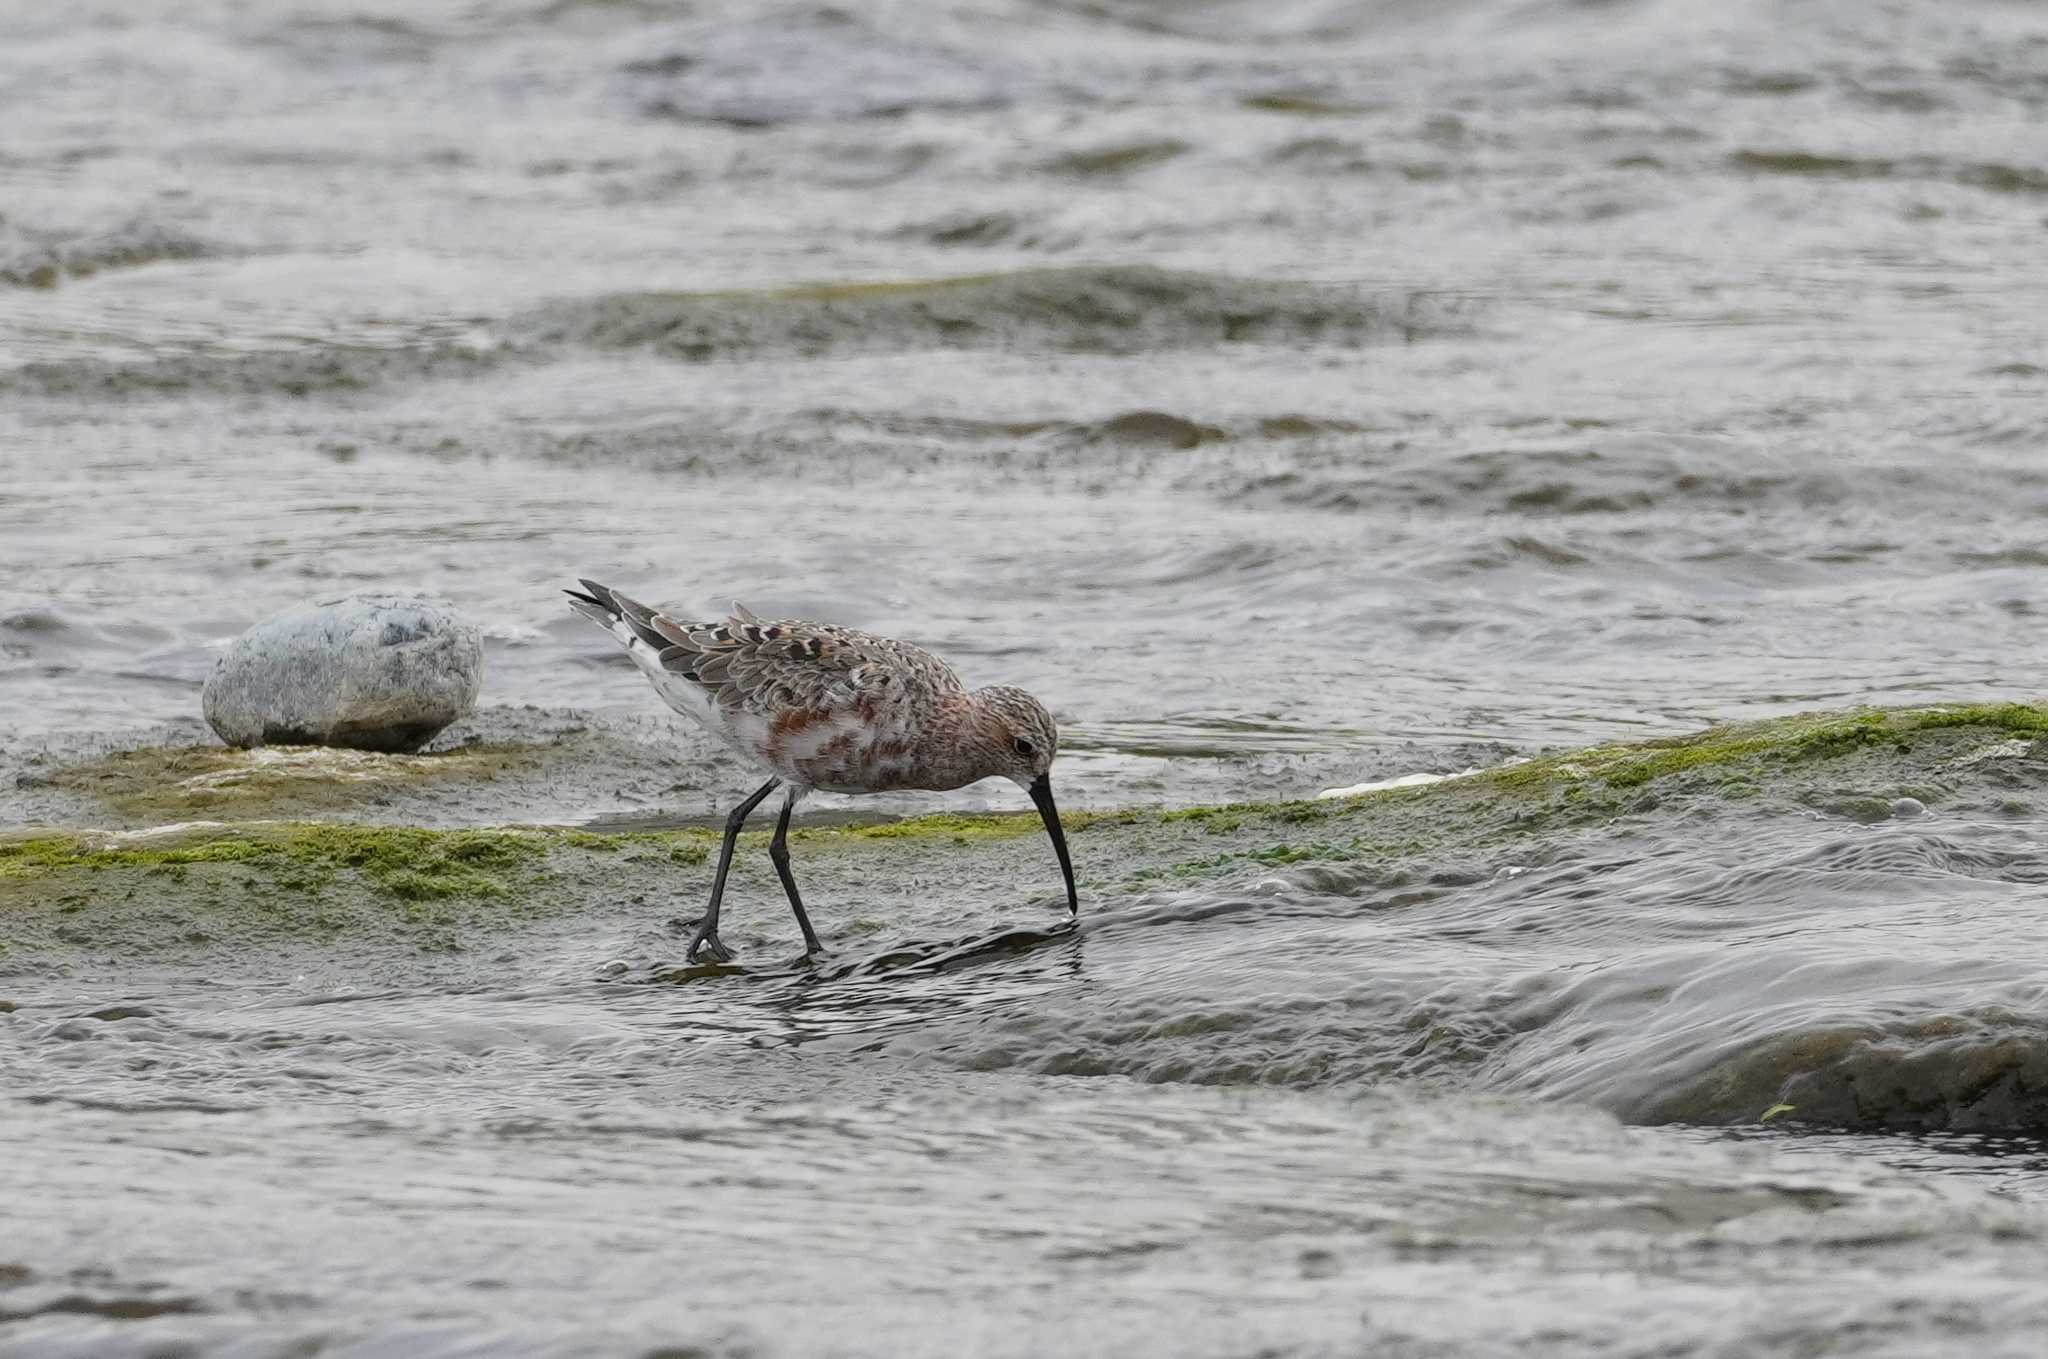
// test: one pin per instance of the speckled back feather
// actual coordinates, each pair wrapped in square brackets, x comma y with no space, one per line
[822,706]
[771,668]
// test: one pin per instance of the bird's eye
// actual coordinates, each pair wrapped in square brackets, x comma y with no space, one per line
[1023,747]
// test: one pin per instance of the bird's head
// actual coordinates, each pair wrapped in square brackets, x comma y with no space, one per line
[1022,736]
[1022,740]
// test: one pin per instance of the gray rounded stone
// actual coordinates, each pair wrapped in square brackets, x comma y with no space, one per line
[368,671]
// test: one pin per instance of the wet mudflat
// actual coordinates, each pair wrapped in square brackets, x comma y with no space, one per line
[1294,396]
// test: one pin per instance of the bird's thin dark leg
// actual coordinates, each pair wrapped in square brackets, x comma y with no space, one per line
[778,850]
[706,935]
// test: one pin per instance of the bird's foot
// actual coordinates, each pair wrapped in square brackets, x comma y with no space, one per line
[705,940]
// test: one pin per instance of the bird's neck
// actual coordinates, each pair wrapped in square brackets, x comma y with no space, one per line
[955,745]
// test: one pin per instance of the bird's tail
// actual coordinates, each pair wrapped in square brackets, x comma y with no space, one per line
[626,619]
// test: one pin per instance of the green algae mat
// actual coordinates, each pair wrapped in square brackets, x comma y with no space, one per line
[207,885]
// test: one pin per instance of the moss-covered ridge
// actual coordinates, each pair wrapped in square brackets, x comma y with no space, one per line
[175,782]
[410,864]
[1805,737]
[287,876]
[1734,760]
[1741,752]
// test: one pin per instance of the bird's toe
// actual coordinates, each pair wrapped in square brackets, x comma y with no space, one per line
[712,946]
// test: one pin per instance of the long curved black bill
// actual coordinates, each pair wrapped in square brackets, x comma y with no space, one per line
[1041,798]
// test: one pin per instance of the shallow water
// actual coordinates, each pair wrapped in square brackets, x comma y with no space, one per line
[1315,1108]
[1290,394]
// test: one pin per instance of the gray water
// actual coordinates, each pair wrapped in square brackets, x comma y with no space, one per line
[1289,394]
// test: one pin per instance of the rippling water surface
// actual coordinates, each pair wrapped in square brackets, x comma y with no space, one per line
[1291,394]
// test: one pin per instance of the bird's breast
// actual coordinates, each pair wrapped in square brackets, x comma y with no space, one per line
[847,750]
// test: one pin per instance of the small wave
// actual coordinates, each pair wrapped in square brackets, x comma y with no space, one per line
[1103,309]
[294,372]
[1971,1072]
[1992,176]
[1135,443]
[341,40]
[1541,551]
[1979,559]
[1142,429]
[109,1308]
[1874,860]
[1153,429]
[969,230]
[1321,155]
[820,64]
[1604,477]
[33,620]
[1810,163]
[1768,83]
[43,260]
[1304,103]
[1252,24]
[1115,160]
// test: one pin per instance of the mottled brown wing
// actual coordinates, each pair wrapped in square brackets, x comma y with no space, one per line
[775,667]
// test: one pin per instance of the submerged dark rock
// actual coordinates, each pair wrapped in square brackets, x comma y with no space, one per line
[367,671]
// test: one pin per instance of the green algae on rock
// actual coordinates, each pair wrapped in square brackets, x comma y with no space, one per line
[160,781]
[403,861]
[1807,736]
[503,765]
[1853,764]
[212,891]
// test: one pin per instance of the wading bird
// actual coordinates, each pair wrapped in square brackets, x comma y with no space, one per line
[826,707]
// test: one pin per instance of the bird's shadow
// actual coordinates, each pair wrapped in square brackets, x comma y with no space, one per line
[904,959]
